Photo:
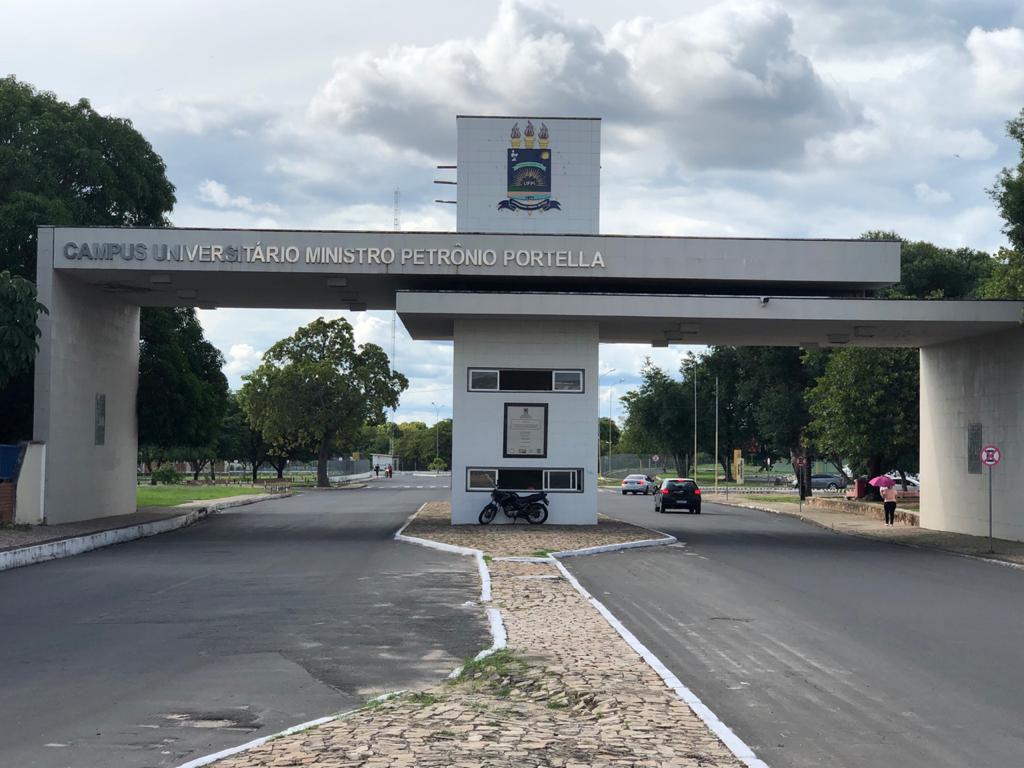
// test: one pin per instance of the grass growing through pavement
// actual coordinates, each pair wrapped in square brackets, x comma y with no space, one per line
[172,495]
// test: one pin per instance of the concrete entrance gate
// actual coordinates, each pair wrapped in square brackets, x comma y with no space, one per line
[526,289]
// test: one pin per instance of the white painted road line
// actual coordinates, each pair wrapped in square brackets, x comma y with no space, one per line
[735,744]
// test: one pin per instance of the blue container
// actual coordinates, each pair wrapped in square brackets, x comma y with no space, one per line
[10,460]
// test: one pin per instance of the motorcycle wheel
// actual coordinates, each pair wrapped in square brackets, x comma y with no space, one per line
[487,514]
[536,514]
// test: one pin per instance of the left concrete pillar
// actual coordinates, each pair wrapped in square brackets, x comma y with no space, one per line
[86,381]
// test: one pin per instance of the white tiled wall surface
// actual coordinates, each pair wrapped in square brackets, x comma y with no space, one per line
[572,417]
[575,146]
[89,346]
[981,381]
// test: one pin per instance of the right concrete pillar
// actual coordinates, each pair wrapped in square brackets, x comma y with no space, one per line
[972,394]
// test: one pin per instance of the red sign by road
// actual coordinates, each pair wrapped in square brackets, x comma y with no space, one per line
[990,455]
[801,461]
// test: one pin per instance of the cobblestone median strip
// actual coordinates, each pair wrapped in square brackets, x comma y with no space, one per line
[433,522]
[569,691]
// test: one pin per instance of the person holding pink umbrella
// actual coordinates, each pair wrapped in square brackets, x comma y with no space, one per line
[889,503]
[888,486]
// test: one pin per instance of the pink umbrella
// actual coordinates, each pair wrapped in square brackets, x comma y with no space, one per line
[882,481]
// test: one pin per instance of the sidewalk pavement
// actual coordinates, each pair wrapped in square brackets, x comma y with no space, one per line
[18,536]
[900,533]
[568,692]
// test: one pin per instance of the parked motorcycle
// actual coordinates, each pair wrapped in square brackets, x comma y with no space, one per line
[534,508]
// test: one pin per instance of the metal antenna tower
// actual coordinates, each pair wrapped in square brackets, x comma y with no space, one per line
[394,312]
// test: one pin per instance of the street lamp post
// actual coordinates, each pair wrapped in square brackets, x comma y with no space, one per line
[437,443]
[695,421]
[611,422]
[610,370]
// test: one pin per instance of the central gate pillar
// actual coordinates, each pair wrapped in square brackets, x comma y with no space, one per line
[525,410]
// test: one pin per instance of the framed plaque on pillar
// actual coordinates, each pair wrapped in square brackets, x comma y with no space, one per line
[526,431]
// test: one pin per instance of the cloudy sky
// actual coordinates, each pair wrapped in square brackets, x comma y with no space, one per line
[804,118]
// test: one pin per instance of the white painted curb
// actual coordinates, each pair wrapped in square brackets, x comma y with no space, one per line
[616,547]
[207,759]
[734,743]
[54,550]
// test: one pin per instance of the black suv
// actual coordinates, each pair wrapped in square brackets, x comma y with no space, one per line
[678,493]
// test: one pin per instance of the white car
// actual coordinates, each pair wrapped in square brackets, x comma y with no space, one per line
[913,481]
[639,484]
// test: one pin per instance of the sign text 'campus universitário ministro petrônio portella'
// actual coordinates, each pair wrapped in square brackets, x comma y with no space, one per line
[455,256]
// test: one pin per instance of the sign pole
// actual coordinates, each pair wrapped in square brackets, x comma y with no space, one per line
[990,456]
[990,547]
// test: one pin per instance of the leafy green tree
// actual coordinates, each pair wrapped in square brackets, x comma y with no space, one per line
[659,416]
[416,442]
[65,163]
[1008,191]
[19,312]
[608,432]
[182,391]
[865,407]
[1007,279]
[318,384]
[736,424]
[928,271]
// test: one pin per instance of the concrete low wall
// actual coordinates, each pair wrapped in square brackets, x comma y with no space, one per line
[31,486]
[870,509]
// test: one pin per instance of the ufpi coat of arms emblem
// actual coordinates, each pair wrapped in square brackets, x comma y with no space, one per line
[529,171]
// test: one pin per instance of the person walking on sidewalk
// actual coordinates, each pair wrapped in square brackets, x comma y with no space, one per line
[889,504]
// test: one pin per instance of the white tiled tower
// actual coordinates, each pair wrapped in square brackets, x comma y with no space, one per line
[483,170]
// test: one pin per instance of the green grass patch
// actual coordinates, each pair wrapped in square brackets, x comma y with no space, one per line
[541,553]
[488,559]
[501,663]
[783,498]
[172,495]
[423,698]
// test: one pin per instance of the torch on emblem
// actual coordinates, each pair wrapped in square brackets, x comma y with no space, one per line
[529,170]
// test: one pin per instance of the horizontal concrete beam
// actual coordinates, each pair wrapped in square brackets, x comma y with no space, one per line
[224,267]
[734,320]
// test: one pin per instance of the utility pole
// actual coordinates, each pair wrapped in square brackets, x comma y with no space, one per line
[716,434]
[609,468]
[695,420]
[437,418]
[611,421]
[394,314]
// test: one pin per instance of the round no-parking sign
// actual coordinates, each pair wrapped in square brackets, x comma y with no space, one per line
[990,455]
[655,458]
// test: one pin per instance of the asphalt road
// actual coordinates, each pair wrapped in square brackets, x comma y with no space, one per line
[157,651]
[820,649]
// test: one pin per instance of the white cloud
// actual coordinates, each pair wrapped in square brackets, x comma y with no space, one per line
[721,87]
[997,63]
[926,194]
[796,118]
[214,192]
[241,359]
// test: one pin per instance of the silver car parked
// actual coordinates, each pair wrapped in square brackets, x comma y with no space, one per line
[639,484]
